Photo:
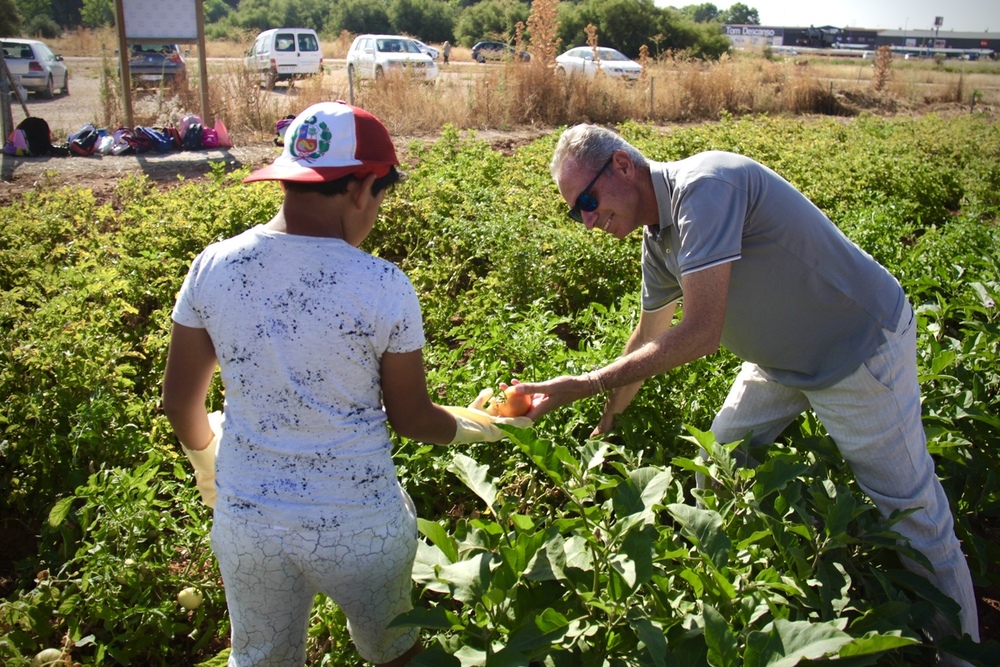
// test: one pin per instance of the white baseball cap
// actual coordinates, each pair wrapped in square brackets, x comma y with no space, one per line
[330,140]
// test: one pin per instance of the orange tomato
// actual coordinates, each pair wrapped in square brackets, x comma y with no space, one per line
[510,404]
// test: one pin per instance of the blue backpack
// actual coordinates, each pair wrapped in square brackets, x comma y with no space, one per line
[158,141]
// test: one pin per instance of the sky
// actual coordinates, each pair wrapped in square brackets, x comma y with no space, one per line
[959,15]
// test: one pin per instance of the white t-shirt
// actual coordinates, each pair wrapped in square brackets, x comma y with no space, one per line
[299,325]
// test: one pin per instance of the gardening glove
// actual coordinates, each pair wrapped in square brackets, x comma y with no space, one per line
[473,424]
[203,461]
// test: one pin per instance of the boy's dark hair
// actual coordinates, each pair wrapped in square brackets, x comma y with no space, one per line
[339,186]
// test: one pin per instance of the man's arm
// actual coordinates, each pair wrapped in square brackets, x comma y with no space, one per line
[695,336]
[651,325]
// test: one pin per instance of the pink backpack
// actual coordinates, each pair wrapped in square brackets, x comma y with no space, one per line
[17,144]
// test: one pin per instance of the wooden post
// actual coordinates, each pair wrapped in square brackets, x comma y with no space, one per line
[123,55]
[206,111]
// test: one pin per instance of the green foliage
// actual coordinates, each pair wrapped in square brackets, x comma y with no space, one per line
[627,26]
[10,18]
[491,20]
[553,548]
[358,16]
[97,13]
[739,14]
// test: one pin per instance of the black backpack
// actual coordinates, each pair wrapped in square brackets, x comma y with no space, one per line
[192,137]
[83,142]
[37,134]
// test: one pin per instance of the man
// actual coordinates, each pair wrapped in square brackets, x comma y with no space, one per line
[817,321]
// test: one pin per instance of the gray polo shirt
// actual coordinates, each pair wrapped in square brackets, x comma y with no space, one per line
[805,303]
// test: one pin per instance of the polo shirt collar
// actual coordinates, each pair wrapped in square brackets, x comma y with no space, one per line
[662,189]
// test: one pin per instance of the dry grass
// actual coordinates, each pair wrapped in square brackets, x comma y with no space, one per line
[673,88]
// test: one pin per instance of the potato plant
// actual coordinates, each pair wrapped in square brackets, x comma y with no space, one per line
[549,548]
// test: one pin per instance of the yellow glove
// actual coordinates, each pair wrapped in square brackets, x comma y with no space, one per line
[203,461]
[473,424]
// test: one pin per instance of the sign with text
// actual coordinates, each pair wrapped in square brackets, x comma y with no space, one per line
[175,20]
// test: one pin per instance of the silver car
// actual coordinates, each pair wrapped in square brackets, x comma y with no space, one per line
[613,63]
[35,67]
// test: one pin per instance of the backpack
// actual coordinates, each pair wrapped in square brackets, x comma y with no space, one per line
[279,129]
[192,137]
[158,141]
[17,144]
[138,140]
[37,133]
[175,136]
[122,141]
[209,137]
[83,142]
[186,122]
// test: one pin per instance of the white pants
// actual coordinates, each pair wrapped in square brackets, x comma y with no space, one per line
[873,416]
[272,575]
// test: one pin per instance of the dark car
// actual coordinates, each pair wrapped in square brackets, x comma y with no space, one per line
[484,51]
[155,64]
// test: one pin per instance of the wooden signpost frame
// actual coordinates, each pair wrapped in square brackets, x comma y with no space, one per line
[152,32]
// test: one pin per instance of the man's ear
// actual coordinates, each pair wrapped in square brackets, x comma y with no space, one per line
[361,191]
[622,160]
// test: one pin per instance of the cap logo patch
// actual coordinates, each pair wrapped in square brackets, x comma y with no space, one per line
[312,140]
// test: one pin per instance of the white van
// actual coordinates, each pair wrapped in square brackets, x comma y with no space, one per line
[284,54]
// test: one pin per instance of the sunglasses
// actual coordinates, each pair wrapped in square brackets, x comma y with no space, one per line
[587,202]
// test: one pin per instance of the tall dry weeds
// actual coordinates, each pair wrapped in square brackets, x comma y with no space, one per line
[881,68]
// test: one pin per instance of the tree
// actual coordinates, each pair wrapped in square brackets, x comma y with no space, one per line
[490,19]
[97,13]
[10,20]
[358,17]
[702,13]
[216,10]
[739,14]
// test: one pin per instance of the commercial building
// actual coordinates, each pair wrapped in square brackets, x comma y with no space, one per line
[917,42]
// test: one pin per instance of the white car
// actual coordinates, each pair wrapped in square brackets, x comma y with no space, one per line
[377,56]
[34,66]
[615,64]
[429,50]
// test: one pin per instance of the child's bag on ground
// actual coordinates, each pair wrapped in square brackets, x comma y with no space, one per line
[37,132]
[17,144]
[84,142]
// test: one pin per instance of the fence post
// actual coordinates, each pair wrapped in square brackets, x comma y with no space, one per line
[652,85]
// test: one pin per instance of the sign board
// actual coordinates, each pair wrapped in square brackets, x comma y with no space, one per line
[170,20]
[158,21]
[938,21]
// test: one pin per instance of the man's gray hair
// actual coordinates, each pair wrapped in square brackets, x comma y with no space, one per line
[591,145]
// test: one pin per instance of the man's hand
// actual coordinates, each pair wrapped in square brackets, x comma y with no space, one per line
[557,392]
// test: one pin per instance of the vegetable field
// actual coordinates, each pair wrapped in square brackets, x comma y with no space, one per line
[547,548]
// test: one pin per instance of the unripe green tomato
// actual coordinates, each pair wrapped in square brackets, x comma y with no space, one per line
[189,598]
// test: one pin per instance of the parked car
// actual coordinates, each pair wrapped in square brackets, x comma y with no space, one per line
[484,51]
[429,50]
[376,56]
[34,67]
[156,64]
[615,64]
[285,54]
